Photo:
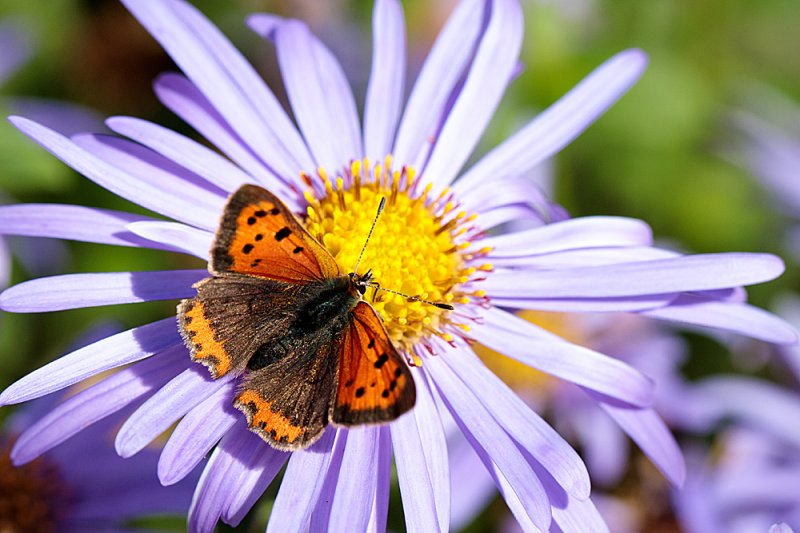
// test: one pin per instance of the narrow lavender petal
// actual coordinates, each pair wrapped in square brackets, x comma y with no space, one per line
[413,476]
[186,152]
[584,257]
[256,467]
[177,236]
[529,344]
[731,316]
[651,434]
[521,423]
[380,506]
[322,507]
[73,291]
[97,402]
[152,170]
[386,85]
[585,305]
[185,100]
[688,273]
[67,119]
[226,79]
[508,213]
[117,181]
[5,264]
[301,486]
[489,75]
[120,349]
[357,481]
[584,232]
[438,81]
[478,425]
[182,394]
[560,123]
[320,96]
[503,192]
[74,222]
[604,446]
[196,434]
[471,485]
[754,403]
[216,484]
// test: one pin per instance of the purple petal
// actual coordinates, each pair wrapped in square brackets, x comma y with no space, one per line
[186,152]
[358,481]
[492,443]
[604,446]
[196,434]
[782,527]
[165,407]
[73,291]
[489,75]
[471,485]
[117,181]
[301,486]
[521,423]
[120,349]
[256,466]
[737,317]
[238,452]
[320,96]
[688,273]
[438,82]
[322,506]
[387,78]
[97,402]
[433,474]
[584,232]
[529,344]
[178,237]
[184,99]
[380,507]
[226,79]
[74,222]
[585,305]
[584,257]
[560,123]
[67,119]
[150,170]
[650,433]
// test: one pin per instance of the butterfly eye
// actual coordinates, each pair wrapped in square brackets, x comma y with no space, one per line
[362,288]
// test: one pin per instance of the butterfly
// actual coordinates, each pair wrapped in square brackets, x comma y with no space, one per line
[278,311]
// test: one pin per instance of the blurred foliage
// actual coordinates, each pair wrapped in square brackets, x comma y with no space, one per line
[656,155]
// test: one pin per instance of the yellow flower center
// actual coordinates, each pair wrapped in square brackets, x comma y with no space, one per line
[418,246]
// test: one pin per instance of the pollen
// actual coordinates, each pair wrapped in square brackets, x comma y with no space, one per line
[418,246]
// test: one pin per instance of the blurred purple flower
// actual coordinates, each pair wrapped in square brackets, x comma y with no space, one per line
[581,265]
[82,485]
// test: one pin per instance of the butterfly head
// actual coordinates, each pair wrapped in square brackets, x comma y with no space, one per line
[360,283]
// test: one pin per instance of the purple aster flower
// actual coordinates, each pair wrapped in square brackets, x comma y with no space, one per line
[432,241]
[82,485]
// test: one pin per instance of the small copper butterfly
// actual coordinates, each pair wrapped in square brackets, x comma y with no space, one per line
[278,310]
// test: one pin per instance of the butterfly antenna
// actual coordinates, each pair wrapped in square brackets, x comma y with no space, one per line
[375,221]
[440,305]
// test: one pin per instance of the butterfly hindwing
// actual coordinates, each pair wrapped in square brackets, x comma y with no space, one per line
[287,402]
[231,316]
[375,384]
[258,235]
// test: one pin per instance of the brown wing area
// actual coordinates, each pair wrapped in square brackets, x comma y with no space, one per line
[287,402]
[258,235]
[375,384]
[231,316]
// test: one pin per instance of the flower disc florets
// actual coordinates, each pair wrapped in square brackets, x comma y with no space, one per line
[418,247]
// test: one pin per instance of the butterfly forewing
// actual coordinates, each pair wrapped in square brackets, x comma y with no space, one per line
[258,235]
[375,384]
[231,316]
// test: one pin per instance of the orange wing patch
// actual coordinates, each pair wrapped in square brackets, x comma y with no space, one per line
[271,426]
[199,337]
[260,236]
[375,384]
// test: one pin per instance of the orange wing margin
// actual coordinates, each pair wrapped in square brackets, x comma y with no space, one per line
[259,236]
[375,385]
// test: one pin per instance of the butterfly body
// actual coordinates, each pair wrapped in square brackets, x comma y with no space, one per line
[278,311]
